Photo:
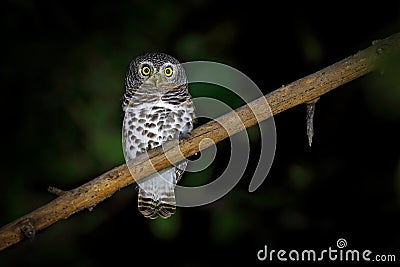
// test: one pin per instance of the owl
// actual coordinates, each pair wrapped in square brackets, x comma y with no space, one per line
[158,108]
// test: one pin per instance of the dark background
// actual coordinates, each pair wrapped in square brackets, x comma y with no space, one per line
[62,70]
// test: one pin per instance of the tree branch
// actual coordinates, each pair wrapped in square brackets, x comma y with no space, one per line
[301,91]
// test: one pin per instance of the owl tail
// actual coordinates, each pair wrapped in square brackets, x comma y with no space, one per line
[153,208]
[156,197]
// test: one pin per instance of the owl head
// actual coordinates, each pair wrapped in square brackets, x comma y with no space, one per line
[155,72]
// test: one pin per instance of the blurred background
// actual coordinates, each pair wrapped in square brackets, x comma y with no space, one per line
[62,70]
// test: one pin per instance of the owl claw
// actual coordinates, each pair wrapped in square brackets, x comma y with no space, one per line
[184,136]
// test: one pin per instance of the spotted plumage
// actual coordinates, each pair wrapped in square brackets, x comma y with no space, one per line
[158,108]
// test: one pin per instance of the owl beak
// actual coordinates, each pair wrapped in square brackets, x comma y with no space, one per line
[157,79]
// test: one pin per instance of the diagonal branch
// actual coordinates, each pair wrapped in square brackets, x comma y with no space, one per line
[102,187]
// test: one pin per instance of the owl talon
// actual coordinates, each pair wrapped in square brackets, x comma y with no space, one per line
[184,136]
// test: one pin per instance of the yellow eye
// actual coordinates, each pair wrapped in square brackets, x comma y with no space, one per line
[146,70]
[168,71]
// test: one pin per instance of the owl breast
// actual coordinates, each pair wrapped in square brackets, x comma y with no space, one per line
[147,126]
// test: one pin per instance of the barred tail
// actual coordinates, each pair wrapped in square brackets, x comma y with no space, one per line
[152,207]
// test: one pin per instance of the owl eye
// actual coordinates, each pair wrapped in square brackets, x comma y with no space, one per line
[168,71]
[145,70]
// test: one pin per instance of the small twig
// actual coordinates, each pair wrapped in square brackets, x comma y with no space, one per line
[310,119]
[98,189]
[55,191]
